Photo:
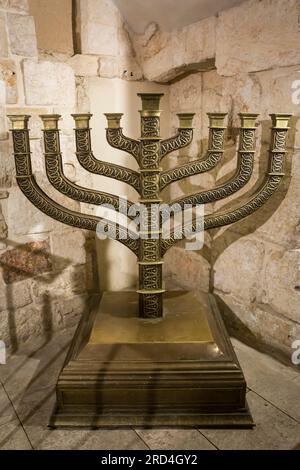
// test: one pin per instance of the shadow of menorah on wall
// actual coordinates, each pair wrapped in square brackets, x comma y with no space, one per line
[44,278]
[223,237]
[23,382]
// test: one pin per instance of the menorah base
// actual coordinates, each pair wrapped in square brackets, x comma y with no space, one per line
[179,370]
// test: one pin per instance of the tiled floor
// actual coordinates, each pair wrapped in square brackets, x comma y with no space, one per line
[27,398]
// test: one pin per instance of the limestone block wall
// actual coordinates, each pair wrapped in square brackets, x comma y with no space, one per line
[49,270]
[247,59]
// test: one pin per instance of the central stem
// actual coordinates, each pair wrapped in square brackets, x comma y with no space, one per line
[150,263]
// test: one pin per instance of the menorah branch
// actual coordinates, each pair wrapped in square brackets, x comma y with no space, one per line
[242,175]
[149,244]
[183,138]
[268,188]
[212,158]
[56,176]
[88,161]
[28,185]
[116,138]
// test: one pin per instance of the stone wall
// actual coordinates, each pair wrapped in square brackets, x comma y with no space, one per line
[245,60]
[49,270]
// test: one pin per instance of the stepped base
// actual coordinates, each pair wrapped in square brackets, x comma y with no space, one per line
[179,370]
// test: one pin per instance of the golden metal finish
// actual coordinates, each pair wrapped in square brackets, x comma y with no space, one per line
[115,326]
[150,357]
[177,370]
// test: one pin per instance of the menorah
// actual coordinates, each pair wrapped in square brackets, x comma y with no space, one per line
[150,357]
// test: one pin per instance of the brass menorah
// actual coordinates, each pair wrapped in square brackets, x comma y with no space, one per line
[185,357]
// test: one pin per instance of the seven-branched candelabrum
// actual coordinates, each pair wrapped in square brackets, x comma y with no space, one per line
[149,181]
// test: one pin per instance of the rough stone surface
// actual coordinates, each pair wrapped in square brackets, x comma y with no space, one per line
[25,261]
[58,284]
[3,129]
[84,65]
[167,55]
[108,67]
[104,43]
[3,226]
[280,284]
[129,69]
[62,246]
[186,270]
[22,36]
[9,79]
[163,65]
[70,308]
[3,36]
[19,5]
[100,24]
[259,325]
[200,41]
[16,295]
[7,171]
[245,281]
[49,83]
[254,36]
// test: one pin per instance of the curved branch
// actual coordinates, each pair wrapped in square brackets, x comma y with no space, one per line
[45,204]
[190,169]
[180,140]
[239,180]
[118,140]
[90,163]
[213,156]
[56,176]
[99,167]
[219,220]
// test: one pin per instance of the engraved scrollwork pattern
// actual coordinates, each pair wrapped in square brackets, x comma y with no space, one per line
[149,154]
[279,140]
[242,177]
[150,186]
[98,167]
[58,180]
[151,305]
[150,250]
[258,200]
[22,155]
[90,163]
[216,146]
[189,169]
[150,126]
[116,139]
[20,144]
[148,182]
[182,139]
[33,192]
[216,138]
[247,139]
[151,277]
[51,139]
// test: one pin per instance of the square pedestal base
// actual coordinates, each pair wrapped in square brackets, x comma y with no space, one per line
[179,370]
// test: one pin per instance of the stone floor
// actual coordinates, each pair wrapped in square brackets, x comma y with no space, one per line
[27,397]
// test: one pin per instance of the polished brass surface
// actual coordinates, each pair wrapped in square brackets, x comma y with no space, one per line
[150,357]
[188,378]
[122,325]
[150,180]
